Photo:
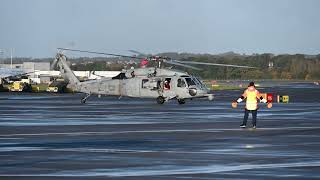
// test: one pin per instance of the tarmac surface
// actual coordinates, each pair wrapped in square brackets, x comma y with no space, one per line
[53,136]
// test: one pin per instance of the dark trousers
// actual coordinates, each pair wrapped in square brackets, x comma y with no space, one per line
[254,116]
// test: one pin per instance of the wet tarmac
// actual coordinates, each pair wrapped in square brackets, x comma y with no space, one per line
[47,136]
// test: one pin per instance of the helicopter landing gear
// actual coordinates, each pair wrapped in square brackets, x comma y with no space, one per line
[160,100]
[181,101]
[83,100]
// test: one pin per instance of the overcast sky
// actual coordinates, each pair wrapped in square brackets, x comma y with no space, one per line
[35,28]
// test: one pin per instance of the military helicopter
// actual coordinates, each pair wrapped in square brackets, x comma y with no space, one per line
[162,84]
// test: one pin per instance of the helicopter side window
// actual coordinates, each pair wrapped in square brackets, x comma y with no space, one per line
[145,83]
[190,82]
[181,83]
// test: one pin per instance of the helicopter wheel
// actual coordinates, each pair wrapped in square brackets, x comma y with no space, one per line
[181,101]
[83,100]
[160,100]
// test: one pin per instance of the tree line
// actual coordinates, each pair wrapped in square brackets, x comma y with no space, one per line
[286,67]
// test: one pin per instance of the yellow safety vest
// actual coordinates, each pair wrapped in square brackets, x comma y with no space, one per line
[251,95]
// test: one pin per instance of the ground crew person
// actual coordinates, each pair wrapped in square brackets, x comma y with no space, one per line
[252,95]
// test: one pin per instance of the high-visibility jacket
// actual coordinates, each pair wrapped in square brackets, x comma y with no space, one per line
[252,95]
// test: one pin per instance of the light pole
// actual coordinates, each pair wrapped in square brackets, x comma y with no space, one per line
[11,57]
[1,53]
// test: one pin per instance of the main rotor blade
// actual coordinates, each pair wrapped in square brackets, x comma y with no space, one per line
[93,52]
[138,53]
[174,62]
[214,64]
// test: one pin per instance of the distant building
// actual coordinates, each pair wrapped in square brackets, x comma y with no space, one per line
[310,56]
[29,66]
[37,66]
[270,65]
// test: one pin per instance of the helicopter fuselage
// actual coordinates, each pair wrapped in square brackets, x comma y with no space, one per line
[164,83]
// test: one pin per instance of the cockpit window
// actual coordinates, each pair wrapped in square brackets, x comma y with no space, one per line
[181,83]
[190,82]
[145,83]
[199,83]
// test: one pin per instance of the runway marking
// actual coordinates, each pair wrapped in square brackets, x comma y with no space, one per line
[106,133]
[170,170]
[230,151]
[158,131]
[15,148]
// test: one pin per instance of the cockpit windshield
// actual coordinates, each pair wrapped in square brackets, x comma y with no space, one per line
[202,86]
[193,81]
[190,82]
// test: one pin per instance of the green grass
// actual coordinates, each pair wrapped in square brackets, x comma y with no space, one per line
[39,88]
[221,86]
[225,87]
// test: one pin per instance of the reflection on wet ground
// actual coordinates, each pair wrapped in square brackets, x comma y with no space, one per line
[54,136]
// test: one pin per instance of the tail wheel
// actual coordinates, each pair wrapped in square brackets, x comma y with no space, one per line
[160,100]
[181,101]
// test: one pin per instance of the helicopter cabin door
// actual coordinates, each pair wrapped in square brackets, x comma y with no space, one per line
[169,87]
[149,87]
[181,87]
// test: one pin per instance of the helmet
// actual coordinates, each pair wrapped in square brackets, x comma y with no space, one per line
[251,84]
